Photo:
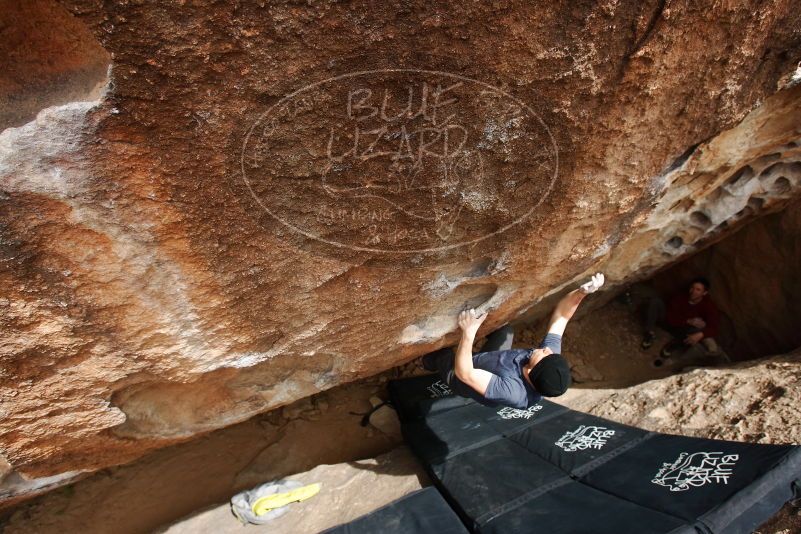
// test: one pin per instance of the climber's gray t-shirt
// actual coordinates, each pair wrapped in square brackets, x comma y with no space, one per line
[507,386]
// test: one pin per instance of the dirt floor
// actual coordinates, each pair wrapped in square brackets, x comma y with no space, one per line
[184,480]
[176,481]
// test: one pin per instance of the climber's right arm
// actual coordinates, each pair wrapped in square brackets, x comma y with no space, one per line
[478,379]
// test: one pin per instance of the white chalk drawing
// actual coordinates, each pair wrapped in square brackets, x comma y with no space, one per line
[399,161]
[439,389]
[585,437]
[514,413]
[696,469]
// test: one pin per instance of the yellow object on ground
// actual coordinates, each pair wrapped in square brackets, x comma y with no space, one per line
[277,500]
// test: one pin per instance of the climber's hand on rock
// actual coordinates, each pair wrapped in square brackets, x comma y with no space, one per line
[594,284]
[692,339]
[470,320]
[696,322]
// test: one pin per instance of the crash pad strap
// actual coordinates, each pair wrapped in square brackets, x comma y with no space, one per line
[523,499]
[577,473]
[492,439]
[589,466]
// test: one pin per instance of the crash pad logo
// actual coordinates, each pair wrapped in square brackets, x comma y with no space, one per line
[584,437]
[514,413]
[692,470]
[439,389]
[399,161]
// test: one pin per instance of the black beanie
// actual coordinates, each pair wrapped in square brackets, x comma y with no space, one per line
[551,377]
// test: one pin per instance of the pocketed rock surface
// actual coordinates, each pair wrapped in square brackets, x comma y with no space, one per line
[265,200]
[754,283]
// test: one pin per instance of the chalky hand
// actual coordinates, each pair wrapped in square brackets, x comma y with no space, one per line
[470,320]
[594,284]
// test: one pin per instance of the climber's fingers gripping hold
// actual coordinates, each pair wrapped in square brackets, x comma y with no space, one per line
[470,320]
[594,284]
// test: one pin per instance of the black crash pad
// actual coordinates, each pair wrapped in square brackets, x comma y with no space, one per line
[421,512]
[554,470]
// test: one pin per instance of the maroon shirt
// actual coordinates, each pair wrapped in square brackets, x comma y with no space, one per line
[680,309]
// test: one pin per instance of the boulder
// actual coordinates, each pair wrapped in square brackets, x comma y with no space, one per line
[266,200]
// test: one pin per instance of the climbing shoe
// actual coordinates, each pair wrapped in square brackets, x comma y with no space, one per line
[670,347]
[242,504]
[270,502]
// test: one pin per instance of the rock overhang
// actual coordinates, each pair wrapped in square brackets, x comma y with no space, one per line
[156,290]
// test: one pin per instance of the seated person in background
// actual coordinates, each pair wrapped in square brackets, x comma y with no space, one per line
[500,375]
[691,318]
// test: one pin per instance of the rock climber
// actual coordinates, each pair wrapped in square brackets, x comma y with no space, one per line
[500,375]
[690,317]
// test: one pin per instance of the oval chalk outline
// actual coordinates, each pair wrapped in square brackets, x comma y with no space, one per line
[411,251]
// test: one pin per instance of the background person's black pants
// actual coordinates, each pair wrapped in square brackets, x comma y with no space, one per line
[655,313]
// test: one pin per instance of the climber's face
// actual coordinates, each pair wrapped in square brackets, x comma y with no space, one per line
[697,291]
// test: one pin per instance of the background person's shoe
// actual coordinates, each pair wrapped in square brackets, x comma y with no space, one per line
[668,349]
[710,345]
[647,340]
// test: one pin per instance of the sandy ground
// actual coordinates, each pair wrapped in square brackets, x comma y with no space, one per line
[184,484]
[348,491]
[176,481]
